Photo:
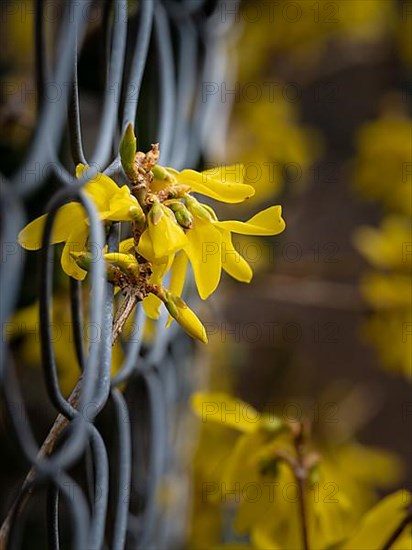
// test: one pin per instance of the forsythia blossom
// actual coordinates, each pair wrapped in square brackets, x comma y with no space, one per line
[113,203]
[169,228]
[259,472]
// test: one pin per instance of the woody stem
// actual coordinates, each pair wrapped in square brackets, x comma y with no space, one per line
[56,430]
[398,531]
[45,450]
[301,475]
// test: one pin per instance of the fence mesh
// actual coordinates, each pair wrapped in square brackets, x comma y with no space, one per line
[172,49]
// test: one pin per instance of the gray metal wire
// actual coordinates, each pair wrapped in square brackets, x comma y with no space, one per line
[160,375]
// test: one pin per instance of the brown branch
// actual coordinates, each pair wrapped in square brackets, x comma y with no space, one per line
[59,426]
[122,314]
[45,450]
[300,472]
[398,531]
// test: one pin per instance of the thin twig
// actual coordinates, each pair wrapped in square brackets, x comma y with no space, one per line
[398,531]
[300,472]
[58,427]
[45,450]
[122,314]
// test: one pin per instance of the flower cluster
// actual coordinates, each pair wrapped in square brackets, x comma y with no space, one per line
[169,227]
[282,489]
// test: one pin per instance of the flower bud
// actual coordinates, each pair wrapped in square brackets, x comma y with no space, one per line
[179,310]
[178,191]
[162,174]
[198,209]
[82,259]
[127,148]
[182,214]
[156,213]
[272,424]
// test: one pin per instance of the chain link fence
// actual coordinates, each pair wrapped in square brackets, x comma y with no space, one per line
[118,503]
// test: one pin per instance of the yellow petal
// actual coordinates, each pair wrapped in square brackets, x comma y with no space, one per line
[113,202]
[178,274]
[80,169]
[187,319]
[25,320]
[159,269]
[75,243]
[167,236]
[30,237]
[123,261]
[225,409]
[232,262]
[127,246]
[161,239]
[267,222]
[123,206]
[204,252]
[223,184]
[177,277]
[380,522]
[145,246]
[151,306]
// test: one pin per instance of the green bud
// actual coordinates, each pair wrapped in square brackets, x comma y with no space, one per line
[162,174]
[156,213]
[182,214]
[210,210]
[197,209]
[128,148]
[272,424]
[82,259]
[178,191]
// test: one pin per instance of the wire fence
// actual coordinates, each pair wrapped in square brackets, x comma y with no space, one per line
[118,503]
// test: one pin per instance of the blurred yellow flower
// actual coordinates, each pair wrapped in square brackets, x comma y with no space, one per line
[389,291]
[274,155]
[382,166]
[389,246]
[253,475]
[24,325]
[379,524]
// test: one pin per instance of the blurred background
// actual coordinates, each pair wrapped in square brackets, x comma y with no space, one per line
[320,116]
[322,121]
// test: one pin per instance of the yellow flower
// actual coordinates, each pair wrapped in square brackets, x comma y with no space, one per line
[71,222]
[126,262]
[389,292]
[205,241]
[210,248]
[180,311]
[381,168]
[208,245]
[338,489]
[234,413]
[389,246]
[381,522]
[223,183]
[163,236]
[25,326]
